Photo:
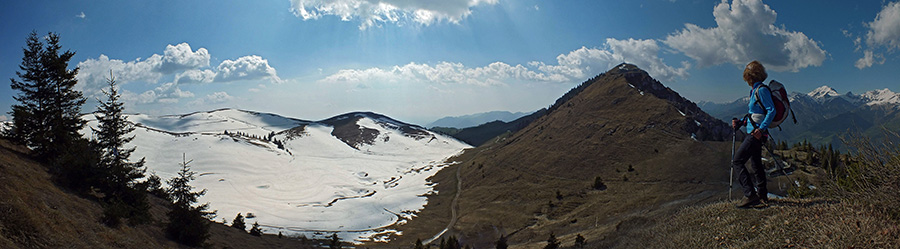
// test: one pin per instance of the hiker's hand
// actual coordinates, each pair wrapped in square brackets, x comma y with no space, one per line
[735,123]
[757,134]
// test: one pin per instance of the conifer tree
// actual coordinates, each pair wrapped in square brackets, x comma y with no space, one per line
[335,242]
[552,242]
[501,243]
[418,244]
[119,175]
[255,231]
[580,241]
[188,225]
[238,222]
[47,116]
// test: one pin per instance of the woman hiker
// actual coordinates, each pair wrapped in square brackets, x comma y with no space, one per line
[761,112]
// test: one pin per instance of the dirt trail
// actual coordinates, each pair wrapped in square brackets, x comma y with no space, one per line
[453,209]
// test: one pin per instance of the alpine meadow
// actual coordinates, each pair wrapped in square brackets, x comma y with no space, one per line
[450,124]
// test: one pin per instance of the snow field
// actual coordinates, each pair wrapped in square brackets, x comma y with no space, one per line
[320,186]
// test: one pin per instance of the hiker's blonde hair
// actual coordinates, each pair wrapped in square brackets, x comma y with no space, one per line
[755,72]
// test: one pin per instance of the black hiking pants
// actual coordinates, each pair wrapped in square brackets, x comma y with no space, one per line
[752,178]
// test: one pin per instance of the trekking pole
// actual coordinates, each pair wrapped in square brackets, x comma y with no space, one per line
[777,163]
[731,175]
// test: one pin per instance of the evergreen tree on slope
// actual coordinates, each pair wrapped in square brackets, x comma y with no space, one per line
[187,225]
[47,116]
[124,197]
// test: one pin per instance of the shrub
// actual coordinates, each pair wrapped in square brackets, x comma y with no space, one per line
[872,175]
[598,184]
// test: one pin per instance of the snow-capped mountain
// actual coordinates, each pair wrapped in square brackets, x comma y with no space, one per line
[880,97]
[823,93]
[870,98]
[824,114]
[358,174]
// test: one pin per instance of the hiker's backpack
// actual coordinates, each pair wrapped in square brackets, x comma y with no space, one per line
[782,103]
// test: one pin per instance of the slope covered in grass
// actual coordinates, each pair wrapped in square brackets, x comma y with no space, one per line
[786,223]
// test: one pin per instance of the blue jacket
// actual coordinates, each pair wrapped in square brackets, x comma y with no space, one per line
[766,98]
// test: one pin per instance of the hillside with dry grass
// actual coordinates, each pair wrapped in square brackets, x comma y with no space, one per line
[664,183]
[653,150]
[35,213]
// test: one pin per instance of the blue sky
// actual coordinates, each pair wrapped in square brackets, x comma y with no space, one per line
[421,60]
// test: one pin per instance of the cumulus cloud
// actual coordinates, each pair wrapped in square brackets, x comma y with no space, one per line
[577,65]
[883,32]
[869,58]
[586,62]
[4,118]
[92,73]
[376,12]
[746,31]
[80,15]
[187,66]
[245,68]
[165,93]
[214,98]
[180,57]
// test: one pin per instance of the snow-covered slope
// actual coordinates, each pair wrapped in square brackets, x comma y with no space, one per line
[354,174]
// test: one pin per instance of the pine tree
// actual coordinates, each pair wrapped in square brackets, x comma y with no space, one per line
[255,231]
[119,175]
[452,243]
[335,242]
[238,223]
[552,242]
[501,243]
[153,185]
[580,241]
[47,117]
[418,244]
[189,225]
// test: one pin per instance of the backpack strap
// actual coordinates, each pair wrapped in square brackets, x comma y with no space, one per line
[758,101]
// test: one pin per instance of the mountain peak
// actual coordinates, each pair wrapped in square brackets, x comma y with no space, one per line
[879,97]
[823,92]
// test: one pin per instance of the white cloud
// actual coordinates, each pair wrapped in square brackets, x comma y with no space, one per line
[180,58]
[376,12]
[746,31]
[214,98]
[869,58]
[249,67]
[195,76]
[585,62]
[92,73]
[4,118]
[165,93]
[441,73]
[187,66]
[80,15]
[883,32]
[575,66]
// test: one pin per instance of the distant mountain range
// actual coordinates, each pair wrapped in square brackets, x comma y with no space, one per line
[476,119]
[824,114]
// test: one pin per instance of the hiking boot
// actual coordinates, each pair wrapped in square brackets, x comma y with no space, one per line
[749,202]
[764,198]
